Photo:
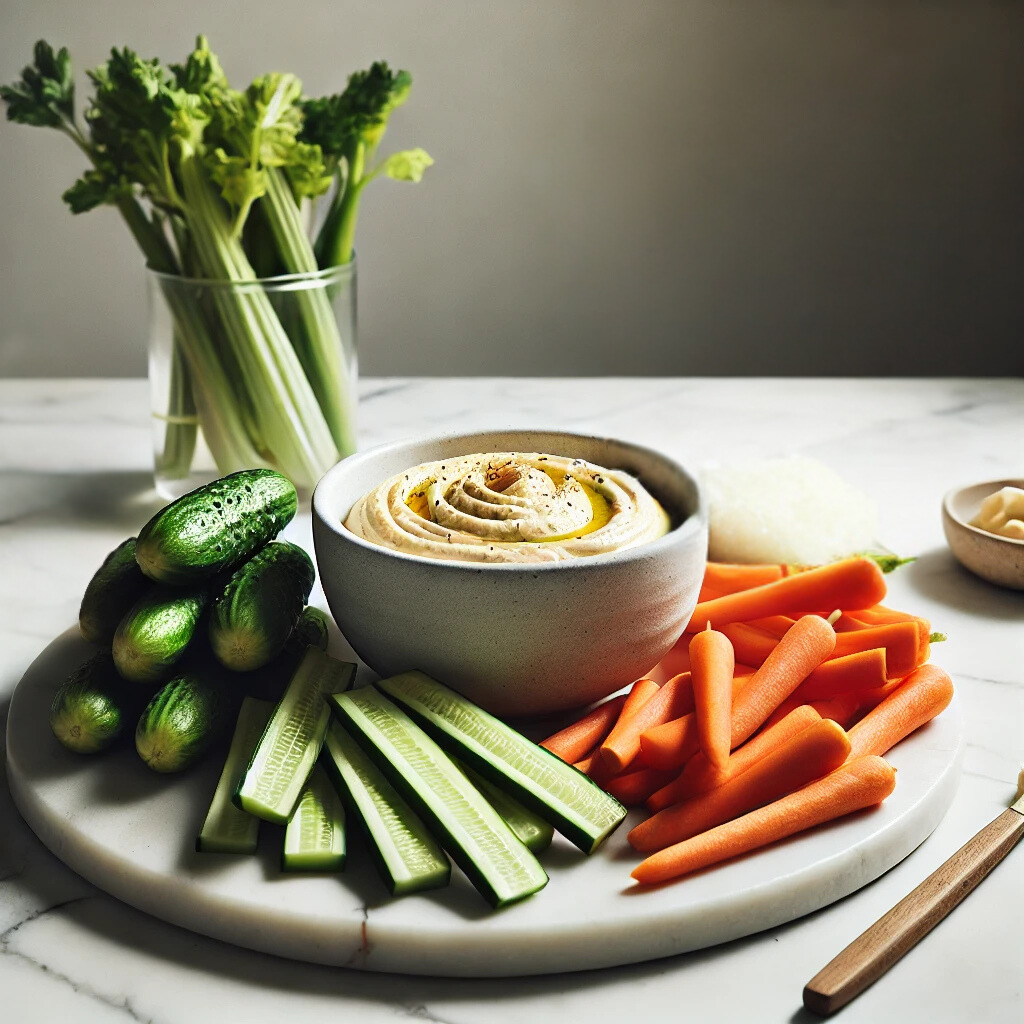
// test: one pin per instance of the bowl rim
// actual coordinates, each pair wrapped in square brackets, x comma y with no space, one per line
[692,524]
[996,485]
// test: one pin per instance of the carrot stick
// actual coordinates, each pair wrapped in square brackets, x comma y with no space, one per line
[842,708]
[900,639]
[879,615]
[712,666]
[669,746]
[850,584]
[777,625]
[632,788]
[751,644]
[574,741]
[807,644]
[864,670]
[620,746]
[857,784]
[700,775]
[810,754]
[726,578]
[588,764]
[923,694]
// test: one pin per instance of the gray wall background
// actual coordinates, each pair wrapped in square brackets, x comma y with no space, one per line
[621,187]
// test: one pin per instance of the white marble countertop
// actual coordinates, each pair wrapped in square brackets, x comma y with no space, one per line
[75,479]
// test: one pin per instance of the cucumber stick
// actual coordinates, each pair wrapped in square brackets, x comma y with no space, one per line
[291,742]
[115,586]
[577,808]
[259,606]
[215,527]
[407,856]
[469,828]
[531,828]
[228,829]
[314,839]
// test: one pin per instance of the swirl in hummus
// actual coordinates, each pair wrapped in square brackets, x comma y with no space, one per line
[508,507]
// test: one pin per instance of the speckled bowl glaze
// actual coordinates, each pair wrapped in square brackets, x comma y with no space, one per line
[519,639]
[999,560]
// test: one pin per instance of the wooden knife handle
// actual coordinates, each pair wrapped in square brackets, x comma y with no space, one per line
[870,955]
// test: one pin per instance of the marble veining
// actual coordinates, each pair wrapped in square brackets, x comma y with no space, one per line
[74,480]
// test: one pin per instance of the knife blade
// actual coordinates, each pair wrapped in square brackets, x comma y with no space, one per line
[870,955]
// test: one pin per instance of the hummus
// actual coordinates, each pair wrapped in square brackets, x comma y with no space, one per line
[508,507]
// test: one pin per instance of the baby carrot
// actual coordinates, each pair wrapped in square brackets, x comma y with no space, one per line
[922,695]
[777,625]
[864,670]
[857,784]
[574,741]
[620,746]
[712,663]
[751,644]
[804,647]
[850,584]
[900,640]
[810,754]
[631,789]
[726,578]
[670,745]
[842,708]
[700,775]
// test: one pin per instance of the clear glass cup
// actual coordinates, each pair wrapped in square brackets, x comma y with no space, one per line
[253,373]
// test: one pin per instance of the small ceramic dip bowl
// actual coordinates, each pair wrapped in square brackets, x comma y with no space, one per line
[997,559]
[517,638]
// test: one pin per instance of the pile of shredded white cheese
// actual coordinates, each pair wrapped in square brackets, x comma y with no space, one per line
[792,511]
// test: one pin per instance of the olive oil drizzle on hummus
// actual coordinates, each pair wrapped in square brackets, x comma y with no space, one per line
[600,509]
[508,507]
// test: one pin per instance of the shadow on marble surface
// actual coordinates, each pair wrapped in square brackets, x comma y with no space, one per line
[125,499]
[936,574]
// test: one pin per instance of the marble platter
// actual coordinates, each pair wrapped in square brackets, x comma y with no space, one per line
[131,833]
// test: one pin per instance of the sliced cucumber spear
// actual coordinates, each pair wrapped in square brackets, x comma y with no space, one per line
[469,828]
[531,828]
[560,794]
[407,856]
[314,839]
[291,742]
[227,828]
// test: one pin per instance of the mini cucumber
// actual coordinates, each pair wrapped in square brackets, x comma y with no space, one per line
[184,719]
[94,706]
[314,838]
[253,615]
[116,585]
[292,740]
[156,631]
[408,858]
[496,861]
[531,828]
[215,527]
[227,829]
[560,794]
[269,681]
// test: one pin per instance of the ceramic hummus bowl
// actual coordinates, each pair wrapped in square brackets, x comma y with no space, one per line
[517,638]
